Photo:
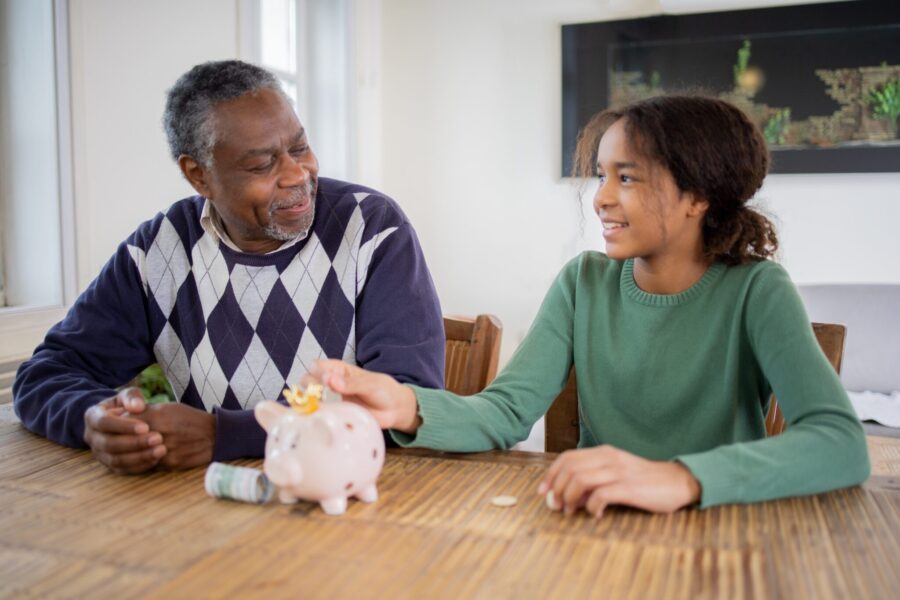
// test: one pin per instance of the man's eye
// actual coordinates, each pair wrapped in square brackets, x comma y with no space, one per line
[299,150]
[263,168]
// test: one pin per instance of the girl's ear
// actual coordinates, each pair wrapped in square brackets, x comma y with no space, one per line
[697,206]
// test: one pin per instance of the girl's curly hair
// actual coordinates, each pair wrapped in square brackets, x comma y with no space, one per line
[712,150]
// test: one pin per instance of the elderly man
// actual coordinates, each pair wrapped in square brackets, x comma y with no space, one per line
[234,292]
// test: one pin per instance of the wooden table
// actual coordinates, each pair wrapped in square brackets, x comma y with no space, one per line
[69,528]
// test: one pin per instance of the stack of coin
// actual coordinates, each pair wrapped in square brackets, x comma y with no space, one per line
[238,483]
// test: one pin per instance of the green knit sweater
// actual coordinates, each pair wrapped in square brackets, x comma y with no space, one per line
[683,377]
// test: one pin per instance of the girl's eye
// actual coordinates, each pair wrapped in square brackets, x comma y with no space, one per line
[625,178]
[602,178]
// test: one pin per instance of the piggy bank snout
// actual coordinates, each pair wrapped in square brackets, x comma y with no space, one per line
[282,468]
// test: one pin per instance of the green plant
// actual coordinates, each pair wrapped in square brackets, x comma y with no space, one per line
[154,385]
[885,101]
[743,59]
[776,127]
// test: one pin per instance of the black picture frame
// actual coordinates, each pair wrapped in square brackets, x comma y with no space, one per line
[588,49]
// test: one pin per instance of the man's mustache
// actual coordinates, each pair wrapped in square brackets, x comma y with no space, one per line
[297,196]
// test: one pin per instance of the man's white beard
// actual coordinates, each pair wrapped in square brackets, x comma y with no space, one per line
[275,232]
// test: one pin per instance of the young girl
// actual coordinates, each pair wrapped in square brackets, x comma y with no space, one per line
[679,334]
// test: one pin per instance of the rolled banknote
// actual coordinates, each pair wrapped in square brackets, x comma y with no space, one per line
[238,483]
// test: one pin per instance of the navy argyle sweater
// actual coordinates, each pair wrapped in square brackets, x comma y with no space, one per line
[231,329]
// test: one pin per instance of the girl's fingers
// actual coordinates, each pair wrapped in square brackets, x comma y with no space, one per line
[549,480]
[583,482]
[614,493]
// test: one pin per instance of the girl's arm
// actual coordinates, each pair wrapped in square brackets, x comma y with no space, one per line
[823,446]
[499,416]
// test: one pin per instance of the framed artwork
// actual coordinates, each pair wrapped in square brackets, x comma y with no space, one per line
[822,81]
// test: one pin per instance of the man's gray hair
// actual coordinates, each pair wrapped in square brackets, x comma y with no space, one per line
[188,119]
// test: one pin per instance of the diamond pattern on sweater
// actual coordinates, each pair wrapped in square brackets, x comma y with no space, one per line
[257,378]
[176,364]
[330,321]
[279,326]
[252,286]
[366,252]
[167,266]
[229,332]
[207,375]
[234,330]
[307,275]
[210,273]
[344,261]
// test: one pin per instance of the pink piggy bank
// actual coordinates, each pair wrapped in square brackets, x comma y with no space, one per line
[325,456]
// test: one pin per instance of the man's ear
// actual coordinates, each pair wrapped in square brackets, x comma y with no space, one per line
[196,174]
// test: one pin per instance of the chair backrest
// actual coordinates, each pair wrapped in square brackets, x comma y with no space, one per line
[562,427]
[831,338]
[472,352]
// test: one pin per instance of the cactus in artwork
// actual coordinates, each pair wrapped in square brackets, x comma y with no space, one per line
[743,59]
[885,102]
[775,129]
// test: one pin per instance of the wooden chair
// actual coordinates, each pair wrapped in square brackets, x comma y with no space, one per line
[561,424]
[831,338]
[472,352]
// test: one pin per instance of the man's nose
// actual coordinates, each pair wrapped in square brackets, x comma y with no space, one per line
[294,173]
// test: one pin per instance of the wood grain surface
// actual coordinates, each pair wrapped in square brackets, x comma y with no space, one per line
[69,528]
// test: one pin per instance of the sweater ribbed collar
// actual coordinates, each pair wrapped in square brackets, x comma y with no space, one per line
[631,289]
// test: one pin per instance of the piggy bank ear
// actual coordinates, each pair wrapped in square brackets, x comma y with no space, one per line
[322,433]
[267,412]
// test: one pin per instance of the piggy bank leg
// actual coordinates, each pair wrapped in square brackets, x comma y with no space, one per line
[334,506]
[368,493]
[286,497]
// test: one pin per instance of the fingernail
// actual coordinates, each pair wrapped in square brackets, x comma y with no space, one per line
[141,428]
[542,488]
[154,439]
[159,451]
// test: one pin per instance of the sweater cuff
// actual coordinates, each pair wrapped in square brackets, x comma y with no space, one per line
[433,420]
[717,486]
[238,435]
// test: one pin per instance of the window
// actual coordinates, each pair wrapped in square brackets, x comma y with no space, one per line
[35,169]
[308,45]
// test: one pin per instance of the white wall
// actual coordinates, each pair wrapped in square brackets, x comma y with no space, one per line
[468,142]
[125,55]
[471,143]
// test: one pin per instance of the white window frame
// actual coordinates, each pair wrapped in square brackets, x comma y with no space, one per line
[341,114]
[23,327]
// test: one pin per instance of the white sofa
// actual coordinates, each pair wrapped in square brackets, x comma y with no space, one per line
[871,313]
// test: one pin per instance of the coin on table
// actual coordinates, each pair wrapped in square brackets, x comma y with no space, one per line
[551,501]
[504,501]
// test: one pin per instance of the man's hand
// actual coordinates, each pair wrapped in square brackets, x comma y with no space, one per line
[188,434]
[392,404]
[119,439]
[594,478]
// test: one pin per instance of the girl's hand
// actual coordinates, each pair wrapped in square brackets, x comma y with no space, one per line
[393,405]
[594,478]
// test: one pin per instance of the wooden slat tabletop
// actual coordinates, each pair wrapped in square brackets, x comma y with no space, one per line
[69,528]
